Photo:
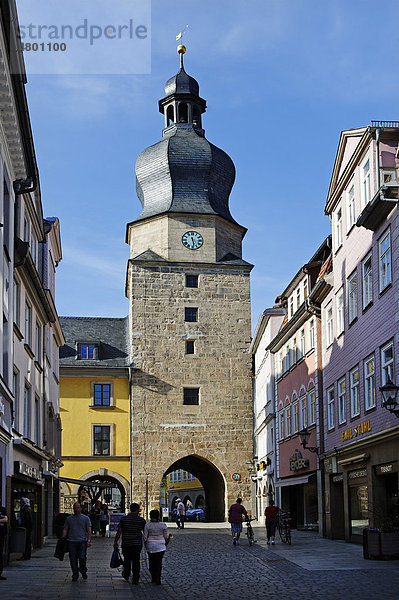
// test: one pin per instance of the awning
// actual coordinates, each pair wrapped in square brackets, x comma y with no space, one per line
[87,483]
[293,481]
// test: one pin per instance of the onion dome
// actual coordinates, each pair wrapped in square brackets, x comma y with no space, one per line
[184,172]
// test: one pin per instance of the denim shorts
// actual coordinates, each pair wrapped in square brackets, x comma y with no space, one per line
[236,527]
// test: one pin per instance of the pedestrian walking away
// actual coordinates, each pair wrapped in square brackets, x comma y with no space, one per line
[131,528]
[236,513]
[3,535]
[181,514]
[103,519]
[95,515]
[25,518]
[77,530]
[156,536]
[271,513]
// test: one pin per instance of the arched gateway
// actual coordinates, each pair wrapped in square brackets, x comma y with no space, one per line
[189,313]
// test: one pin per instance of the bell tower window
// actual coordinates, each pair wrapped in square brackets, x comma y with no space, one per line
[170,115]
[196,117]
[183,112]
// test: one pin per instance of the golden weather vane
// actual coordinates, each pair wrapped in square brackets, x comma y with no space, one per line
[180,48]
[180,35]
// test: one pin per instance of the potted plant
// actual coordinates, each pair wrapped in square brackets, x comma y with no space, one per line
[382,542]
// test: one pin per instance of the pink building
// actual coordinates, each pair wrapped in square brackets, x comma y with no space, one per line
[360,340]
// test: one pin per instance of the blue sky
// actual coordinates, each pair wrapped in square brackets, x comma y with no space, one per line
[281,79]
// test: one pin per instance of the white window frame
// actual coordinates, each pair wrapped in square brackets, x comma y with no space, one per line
[111,399]
[291,306]
[354,386]
[311,401]
[302,346]
[298,298]
[339,305]
[330,408]
[295,417]
[287,421]
[350,205]
[367,281]
[312,331]
[28,323]
[329,325]
[365,182]
[293,351]
[352,297]
[384,261]
[27,424]
[387,364]
[338,228]
[303,412]
[281,424]
[341,385]
[111,438]
[286,357]
[369,382]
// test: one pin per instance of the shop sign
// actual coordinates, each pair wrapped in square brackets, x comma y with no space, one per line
[21,468]
[338,478]
[297,463]
[386,469]
[357,474]
[356,431]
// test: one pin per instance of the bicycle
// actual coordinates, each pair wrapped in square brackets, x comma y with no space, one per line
[284,527]
[250,531]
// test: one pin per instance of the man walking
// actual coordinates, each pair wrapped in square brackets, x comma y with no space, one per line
[77,530]
[131,528]
[3,533]
[26,522]
[236,512]
[181,513]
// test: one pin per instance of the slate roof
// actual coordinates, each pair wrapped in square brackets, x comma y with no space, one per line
[184,173]
[111,334]
[181,83]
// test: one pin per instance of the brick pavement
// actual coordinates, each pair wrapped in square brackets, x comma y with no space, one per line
[202,563]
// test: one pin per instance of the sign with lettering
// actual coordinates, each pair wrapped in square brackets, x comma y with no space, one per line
[114,519]
[356,431]
[21,468]
[297,463]
[358,474]
[386,469]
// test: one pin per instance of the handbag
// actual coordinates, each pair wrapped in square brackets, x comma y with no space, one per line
[116,559]
[61,548]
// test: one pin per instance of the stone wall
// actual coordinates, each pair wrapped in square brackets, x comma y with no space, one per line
[219,429]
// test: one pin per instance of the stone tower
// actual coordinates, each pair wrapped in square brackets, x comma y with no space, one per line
[189,310]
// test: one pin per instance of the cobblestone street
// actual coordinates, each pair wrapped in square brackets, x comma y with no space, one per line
[202,563]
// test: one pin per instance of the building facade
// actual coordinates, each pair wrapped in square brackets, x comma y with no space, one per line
[96,413]
[267,328]
[189,311]
[298,392]
[30,330]
[360,333]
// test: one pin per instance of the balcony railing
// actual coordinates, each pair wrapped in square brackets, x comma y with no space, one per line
[390,124]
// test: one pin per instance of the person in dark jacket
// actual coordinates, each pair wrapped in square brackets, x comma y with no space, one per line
[131,528]
[26,522]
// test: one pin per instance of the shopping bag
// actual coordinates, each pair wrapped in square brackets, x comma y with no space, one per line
[116,559]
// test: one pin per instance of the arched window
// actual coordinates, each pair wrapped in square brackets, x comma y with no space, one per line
[170,115]
[196,117]
[183,112]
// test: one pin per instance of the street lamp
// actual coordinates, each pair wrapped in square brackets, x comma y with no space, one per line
[389,393]
[304,435]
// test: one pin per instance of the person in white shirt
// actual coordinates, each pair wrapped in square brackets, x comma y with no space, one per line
[181,514]
[156,536]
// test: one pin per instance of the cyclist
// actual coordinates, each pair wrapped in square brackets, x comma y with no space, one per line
[236,512]
[271,513]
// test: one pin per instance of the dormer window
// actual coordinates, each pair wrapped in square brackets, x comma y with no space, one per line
[87,351]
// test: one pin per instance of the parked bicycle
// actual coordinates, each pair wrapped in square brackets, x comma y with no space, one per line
[250,531]
[284,527]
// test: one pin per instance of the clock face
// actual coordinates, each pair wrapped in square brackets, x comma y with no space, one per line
[192,240]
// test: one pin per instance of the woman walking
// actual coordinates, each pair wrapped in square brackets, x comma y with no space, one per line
[156,536]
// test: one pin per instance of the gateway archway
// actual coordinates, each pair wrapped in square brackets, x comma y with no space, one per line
[212,483]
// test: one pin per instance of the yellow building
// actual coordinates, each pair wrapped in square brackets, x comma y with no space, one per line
[184,485]
[95,413]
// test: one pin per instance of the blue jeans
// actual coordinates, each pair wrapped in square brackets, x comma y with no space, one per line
[77,554]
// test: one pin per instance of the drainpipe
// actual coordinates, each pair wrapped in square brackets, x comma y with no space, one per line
[377,139]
